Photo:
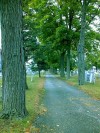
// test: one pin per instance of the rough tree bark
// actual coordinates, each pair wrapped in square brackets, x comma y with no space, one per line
[81,63]
[13,65]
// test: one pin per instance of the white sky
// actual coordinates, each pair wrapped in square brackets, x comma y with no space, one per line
[95,24]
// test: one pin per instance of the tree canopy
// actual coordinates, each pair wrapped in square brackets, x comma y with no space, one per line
[57,25]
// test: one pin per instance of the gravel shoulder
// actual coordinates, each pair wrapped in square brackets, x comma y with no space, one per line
[69,110]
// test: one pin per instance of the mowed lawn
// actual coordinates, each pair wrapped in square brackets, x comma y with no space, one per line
[34,107]
[93,89]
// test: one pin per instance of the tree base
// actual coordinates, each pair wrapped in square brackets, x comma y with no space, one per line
[4,115]
[12,115]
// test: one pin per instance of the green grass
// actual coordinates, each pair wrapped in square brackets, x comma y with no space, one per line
[34,97]
[92,89]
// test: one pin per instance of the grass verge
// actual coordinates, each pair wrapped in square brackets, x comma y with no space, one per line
[90,88]
[34,97]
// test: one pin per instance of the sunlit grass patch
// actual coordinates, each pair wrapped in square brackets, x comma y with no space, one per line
[92,89]
[73,81]
[34,97]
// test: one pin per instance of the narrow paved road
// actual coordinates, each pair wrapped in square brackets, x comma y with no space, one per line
[69,110]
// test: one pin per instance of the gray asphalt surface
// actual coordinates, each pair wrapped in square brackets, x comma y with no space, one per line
[69,110]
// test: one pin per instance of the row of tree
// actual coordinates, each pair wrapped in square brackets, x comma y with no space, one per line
[64,33]
[46,31]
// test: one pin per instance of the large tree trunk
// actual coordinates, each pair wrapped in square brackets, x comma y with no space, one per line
[81,63]
[68,62]
[13,65]
[62,74]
